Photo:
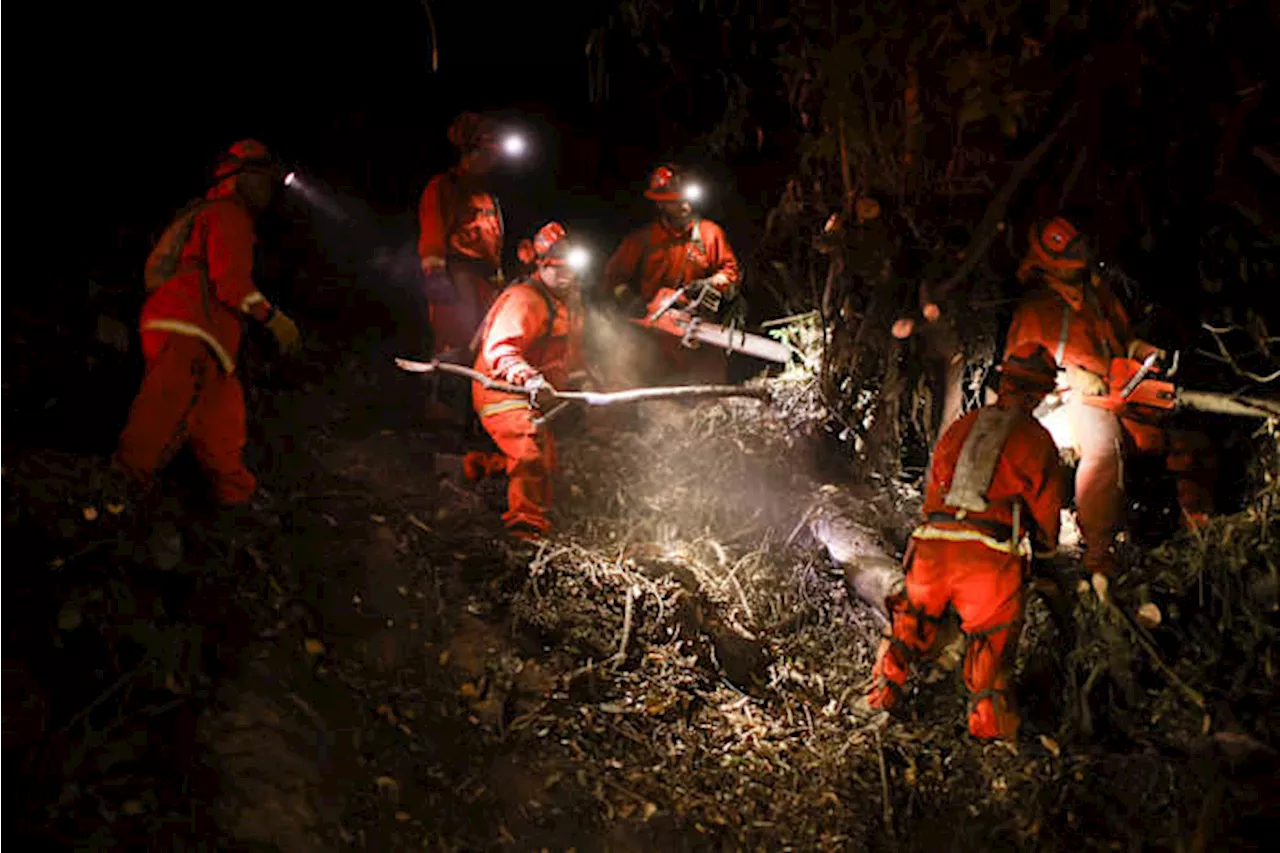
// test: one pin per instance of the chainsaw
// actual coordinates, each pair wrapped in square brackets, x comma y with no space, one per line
[666,314]
[1138,393]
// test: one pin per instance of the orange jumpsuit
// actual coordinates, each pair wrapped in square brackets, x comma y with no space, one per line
[972,562]
[528,331]
[656,256]
[461,224]
[1088,332]
[191,327]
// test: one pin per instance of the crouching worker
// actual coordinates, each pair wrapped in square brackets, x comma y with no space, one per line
[531,337]
[200,276]
[994,493]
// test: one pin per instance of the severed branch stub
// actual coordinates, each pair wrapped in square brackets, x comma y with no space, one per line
[590,398]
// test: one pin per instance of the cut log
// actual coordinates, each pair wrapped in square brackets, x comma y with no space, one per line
[871,572]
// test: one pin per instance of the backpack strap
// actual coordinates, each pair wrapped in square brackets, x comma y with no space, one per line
[160,266]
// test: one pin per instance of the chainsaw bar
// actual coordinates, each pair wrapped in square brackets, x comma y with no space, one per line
[687,328]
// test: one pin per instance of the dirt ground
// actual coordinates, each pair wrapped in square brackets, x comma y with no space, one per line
[372,665]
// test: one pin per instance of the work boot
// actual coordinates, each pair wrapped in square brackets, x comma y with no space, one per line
[995,718]
[883,696]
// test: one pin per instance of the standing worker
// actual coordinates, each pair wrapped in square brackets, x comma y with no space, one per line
[532,337]
[994,493]
[677,249]
[200,276]
[460,247]
[1070,312]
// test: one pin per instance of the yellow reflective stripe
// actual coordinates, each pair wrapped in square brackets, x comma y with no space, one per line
[929,532]
[504,406]
[251,300]
[181,327]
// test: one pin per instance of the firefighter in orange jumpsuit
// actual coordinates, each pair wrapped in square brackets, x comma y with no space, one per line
[460,247]
[191,327]
[994,493]
[532,337]
[1072,314]
[677,249]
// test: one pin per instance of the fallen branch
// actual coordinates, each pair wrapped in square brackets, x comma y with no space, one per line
[1228,359]
[590,398]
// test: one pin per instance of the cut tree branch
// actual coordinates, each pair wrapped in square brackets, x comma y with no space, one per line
[591,398]
[1229,359]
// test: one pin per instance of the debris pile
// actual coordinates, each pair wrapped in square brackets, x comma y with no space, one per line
[677,667]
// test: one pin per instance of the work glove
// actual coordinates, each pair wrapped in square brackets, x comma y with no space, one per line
[1085,382]
[285,330]
[541,394]
[1140,349]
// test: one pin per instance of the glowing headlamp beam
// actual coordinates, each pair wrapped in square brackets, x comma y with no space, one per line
[513,145]
[693,192]
[578,258]
[290,179]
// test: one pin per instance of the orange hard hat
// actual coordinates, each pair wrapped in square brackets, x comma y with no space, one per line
[551,246]
[668,182]
[472,130]
[1057,247]
[1029,367]
[245,154]
[547,240]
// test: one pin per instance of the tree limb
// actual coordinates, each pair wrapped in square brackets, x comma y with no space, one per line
[591,398]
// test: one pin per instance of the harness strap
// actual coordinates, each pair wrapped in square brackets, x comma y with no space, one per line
[990,693]
[1003,626]
[1062,335]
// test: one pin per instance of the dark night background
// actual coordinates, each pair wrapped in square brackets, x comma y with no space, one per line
[348,93]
